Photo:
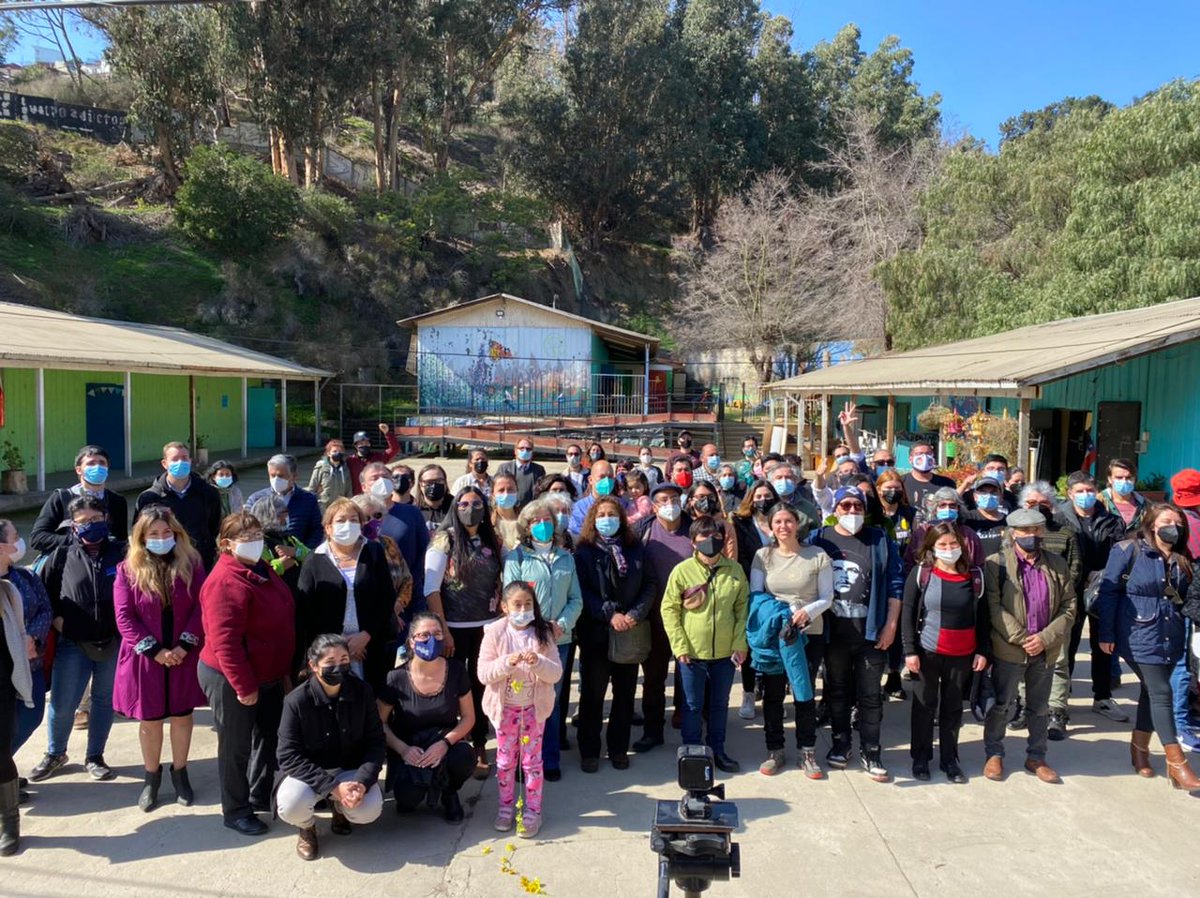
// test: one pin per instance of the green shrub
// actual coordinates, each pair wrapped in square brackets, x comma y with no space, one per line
[234,202]
[328,215]
[20,219]
[18,152]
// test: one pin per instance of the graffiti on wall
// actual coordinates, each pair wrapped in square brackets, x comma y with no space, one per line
[526,370]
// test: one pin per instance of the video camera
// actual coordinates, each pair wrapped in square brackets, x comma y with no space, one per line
[693,836]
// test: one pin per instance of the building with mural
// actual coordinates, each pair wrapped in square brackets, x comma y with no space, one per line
[504,355]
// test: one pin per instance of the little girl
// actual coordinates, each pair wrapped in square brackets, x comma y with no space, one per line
[519,665]
[637,489]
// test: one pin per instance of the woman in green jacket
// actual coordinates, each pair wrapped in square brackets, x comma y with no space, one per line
[542,560]
[704,610]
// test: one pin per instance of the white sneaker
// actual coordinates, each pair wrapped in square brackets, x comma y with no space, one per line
[746,711]
[1106,707]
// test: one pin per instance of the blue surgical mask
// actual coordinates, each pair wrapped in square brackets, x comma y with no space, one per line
[427,649]
[783,486]
[999,476]
[179,469]
[542,531]
[727,482]
[506,500]
[604,486]
[1123,487]
[224,482]
[608,526]
[95,532]
[160,546]
[521,619]
[563,518]
[713,462]
[947,514]
[987,501]
[1084,501]
[95,475]
[524,454]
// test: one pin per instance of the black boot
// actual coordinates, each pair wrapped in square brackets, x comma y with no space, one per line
[148,800]
[183,787]
[10,818]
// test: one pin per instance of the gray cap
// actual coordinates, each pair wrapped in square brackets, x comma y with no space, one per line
[1025,517]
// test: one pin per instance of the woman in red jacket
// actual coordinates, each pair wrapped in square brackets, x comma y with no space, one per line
[249,638]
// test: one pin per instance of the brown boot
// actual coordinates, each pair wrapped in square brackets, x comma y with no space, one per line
[1043,771]
[1179,772]
[306,845]
[994,768]
[1139,753]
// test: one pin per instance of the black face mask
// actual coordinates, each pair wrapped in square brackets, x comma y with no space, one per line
[711,546]
[762,506]
[480,465]
[1169,534]
[334,674]
[337,457]
[363,451]
[471,517]
[891,496]
[705,504]
[844,479]
[434,492]
[404,484]
[685,443]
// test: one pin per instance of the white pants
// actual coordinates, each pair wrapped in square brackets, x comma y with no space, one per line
[296,800]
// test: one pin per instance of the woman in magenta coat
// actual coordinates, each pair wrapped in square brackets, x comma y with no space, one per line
[157,602]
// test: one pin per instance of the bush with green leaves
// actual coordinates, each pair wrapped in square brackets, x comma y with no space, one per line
[234,202]
[327,214]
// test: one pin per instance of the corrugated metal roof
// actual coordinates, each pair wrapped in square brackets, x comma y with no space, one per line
[614,334]
[1014,362]
[41,338]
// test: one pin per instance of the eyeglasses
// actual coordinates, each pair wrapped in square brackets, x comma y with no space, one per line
[850,506]
[466,505]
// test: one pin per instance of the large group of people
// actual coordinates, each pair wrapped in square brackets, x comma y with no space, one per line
[367,635]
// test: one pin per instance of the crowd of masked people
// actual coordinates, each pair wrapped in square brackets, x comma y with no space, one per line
[367,635]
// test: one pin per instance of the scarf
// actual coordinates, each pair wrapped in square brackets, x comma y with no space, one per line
[12,613]
[613,545]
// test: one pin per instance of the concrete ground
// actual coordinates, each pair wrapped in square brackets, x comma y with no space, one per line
[1103,831]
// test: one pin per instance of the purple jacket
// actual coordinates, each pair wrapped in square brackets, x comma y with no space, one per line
[144,689]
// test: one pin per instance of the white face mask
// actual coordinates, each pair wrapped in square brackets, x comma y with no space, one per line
[280,484]
[382,488]
[647,459]
[852,523]
[16,552]
[521,619]
[670,511]
[346,533]
[250,552]
[948,555]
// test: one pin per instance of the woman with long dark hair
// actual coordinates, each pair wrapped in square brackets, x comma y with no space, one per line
[435,501]
[462,587]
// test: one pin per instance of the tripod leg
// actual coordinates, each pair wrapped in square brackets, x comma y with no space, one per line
[664,878]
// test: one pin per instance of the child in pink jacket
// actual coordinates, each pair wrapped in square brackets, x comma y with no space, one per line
[519,665]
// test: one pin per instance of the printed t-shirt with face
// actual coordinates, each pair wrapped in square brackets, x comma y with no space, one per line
[851,559]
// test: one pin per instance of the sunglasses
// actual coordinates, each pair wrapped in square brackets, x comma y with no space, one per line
[851,506]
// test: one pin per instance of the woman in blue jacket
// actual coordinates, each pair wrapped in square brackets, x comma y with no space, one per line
[1140,611]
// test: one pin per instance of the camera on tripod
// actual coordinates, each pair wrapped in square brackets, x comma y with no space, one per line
[693,836]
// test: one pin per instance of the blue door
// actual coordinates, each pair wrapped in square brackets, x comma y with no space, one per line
[260,418]
[106,420]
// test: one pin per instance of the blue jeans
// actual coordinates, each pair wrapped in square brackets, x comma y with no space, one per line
[1181,681]
[29,719]
[718,677]
[72,670]
[551,753]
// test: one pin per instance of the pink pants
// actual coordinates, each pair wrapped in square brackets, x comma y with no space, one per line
[520,737]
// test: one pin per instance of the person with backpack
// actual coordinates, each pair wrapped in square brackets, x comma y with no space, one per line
[53,525]
[945,630]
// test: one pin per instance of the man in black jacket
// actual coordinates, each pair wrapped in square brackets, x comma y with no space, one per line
[331,745]
[196,504]
[526,471]
[1097,530]
[52,527]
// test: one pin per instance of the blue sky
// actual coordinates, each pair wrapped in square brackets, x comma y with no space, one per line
[991,60]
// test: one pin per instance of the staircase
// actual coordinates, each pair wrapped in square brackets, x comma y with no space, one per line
[733,434]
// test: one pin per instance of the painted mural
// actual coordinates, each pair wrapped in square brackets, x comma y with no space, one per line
[505,370]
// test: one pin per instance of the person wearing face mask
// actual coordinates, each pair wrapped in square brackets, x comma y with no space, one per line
[894,507]
[505,495]
[602,483]
[1031,601]
[704,609]
[1097,529]
[993,468]
[363,455]
[222,476]
[868,585]
[434,500]
[79,579]
[704,500]
[405,526]
[520,667]
[477,473]
[346,587]
[375,516]
[653,473]
[331,478]
[331,746]
[524,470]
[944,506]
[543,560]
[749,467]
[1147,595]
[730,489]
[595,453]
[710,465]
[684,451]
[618,589]
[791,587]
[1121,496]
[403,479]
[945,628]
[248,617]
[428,715]
[576,470]
[845,473]
[462,587]
[195,503]
[681,473]
[304,512]
[157,603]
[786,483]
[53,525]
[284,553]
[922,480]
[986,519]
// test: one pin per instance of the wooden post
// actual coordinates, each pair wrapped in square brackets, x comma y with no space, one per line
[40,401]
[317,409]
[891,423]
[824,426]
[128,424]
[787,407]
[283,413]
[245,419]
[192,434]
[1023,438]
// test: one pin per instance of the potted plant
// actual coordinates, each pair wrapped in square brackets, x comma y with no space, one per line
[1153,488]
[201,450]
[13,479]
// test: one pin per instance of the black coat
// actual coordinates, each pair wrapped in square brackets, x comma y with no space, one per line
[81,589]
[318,733]
[321,605]
[46,535]
[526,481]
[198,511]
[605,592]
